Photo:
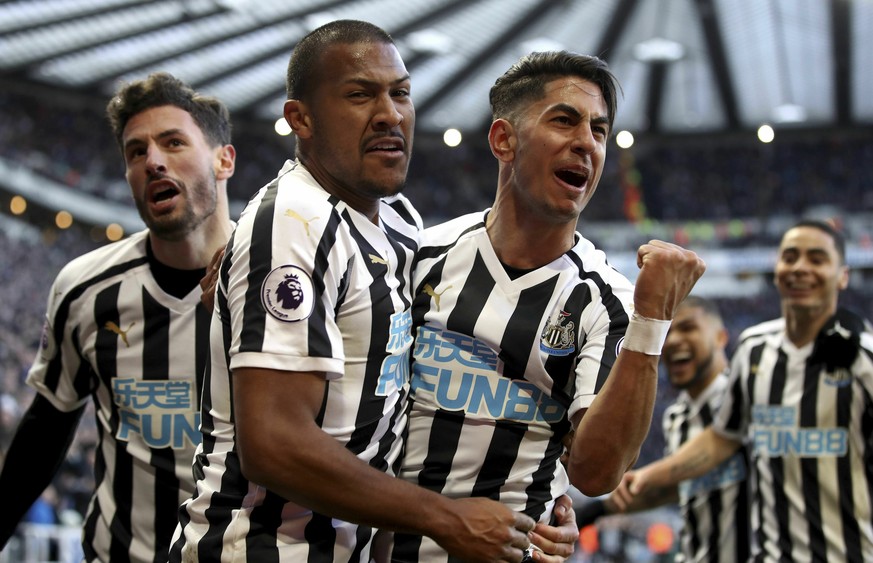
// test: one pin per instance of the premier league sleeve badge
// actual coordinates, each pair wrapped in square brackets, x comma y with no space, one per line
[287,294]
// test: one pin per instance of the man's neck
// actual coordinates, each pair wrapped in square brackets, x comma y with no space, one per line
[697,389]
[196,249]
[803,325]
[356,199]
[524,242]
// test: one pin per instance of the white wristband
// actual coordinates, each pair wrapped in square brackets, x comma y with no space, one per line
[645,335]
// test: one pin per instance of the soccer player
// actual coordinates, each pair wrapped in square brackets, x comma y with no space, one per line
[800,391]
[523,330]
[715,506]
[304,401]
[125,327]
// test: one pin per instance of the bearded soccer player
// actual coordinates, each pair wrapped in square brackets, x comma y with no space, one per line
[715,506]
[125,328]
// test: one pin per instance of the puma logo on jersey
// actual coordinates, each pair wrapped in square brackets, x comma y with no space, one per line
[112,327]
[436,296]
[378,260]
[294,215]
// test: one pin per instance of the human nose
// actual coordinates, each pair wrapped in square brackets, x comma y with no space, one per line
[584,140]
[155,163]
[387,113]
[801,264]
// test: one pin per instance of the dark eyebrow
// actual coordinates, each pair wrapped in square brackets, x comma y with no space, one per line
[161,135]
[818,251]
[601,120]
[568,109]
[573,112]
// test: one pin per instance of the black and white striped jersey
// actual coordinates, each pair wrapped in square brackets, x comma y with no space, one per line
[714,507]
[811,434]
[500,363]
[113,334]
[307,284]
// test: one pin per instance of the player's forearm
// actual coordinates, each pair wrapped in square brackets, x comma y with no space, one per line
[695,458]
[282,448]
[20,486]
[653,498]
[609,436]
[34,456]
[316,471]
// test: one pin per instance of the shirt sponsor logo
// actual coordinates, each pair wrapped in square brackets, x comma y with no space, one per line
[287,294]
[775,433]
[729,472]
[162,412]
[456,372]
[395,367]
[558,338]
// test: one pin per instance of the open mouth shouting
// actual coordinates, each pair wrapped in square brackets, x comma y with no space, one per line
[678,359]
[162,195]
[573,177]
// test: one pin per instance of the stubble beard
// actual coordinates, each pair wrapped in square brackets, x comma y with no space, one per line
[387,188]
[381,190]
[699,373]
[178,224]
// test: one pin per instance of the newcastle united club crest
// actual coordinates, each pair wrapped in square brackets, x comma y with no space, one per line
[559,338]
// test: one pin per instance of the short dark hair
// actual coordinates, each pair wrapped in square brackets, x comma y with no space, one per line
[708,306]
[303,65]
[828,228]
[525,81]
[164,89]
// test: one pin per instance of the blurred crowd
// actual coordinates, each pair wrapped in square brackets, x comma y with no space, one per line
[666,179]
[28,264]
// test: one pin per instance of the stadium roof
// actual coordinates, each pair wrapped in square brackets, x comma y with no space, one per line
[686,66]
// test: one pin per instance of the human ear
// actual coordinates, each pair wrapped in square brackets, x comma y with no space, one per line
[298,118]
[501,137]
[844,278]
[226,162]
